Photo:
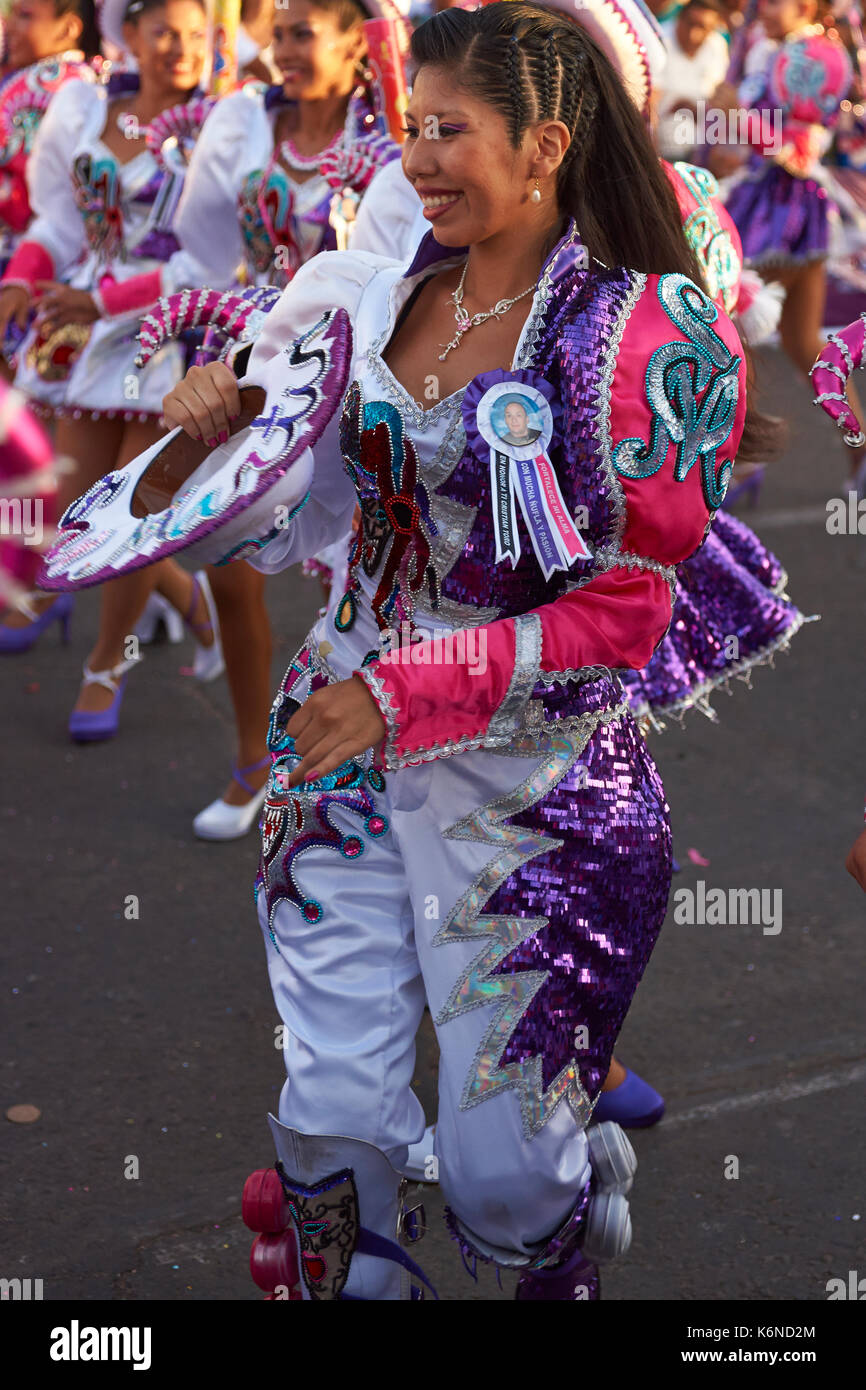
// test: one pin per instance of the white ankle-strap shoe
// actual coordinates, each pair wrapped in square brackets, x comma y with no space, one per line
[158,610]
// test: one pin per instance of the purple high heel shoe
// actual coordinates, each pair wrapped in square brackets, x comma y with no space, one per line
[633,1103]
[94,726]
[21,639]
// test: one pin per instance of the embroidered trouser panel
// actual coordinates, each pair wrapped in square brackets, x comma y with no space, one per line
[520,896]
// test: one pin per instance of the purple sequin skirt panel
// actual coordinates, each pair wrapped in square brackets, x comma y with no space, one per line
[604,893]
[780,218]
[727,618]
[748,550]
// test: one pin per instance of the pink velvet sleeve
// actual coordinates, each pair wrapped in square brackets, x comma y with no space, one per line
[138,292]
[30,262]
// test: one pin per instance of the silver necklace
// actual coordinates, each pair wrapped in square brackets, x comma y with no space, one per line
[465,321]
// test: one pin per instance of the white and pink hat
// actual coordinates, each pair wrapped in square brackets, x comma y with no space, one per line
[218,504]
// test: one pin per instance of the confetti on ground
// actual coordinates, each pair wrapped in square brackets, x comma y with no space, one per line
[697,858]
[23,1114]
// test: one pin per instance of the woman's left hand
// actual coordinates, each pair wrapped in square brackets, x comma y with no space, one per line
[60,304]
[333,725]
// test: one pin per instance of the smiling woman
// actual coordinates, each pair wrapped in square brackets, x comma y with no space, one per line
[493,842]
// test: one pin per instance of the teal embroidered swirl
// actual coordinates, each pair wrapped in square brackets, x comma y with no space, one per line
[709,238]
[692,389]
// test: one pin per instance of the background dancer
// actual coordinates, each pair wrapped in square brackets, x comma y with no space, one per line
[273,175]
[100,251]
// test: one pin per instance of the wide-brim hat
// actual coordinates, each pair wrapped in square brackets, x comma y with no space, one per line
[215,504]
[628,35]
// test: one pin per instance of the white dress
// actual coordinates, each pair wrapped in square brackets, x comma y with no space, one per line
[391,219]
[241,210]
[96,217]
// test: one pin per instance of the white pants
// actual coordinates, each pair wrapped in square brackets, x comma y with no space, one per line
[351,987]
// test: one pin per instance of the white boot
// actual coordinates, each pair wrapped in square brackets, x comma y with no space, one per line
[418,1165]
[348,1213]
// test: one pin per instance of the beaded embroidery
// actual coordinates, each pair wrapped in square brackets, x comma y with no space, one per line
[396,520]
[326,1219]
[298,819]
[265,206]
[692,390]
[97,197]
[709,238]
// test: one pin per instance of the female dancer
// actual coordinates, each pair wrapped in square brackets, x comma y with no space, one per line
[506,851]
[274,175]
[47,42]
[100,195]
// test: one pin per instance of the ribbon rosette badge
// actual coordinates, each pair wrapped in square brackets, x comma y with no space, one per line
[510,417]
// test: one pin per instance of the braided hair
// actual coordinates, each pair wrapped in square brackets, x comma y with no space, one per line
[532,64]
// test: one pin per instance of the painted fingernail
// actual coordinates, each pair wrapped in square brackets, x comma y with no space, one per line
[312,777]
[224,436]
[212,443]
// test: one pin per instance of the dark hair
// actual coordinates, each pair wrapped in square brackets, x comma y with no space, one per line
[717,6]
[136,8]
[347,13]
[531,64]
[90,38]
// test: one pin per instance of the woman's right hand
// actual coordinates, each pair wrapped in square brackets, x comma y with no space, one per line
[14,304]
[204,403]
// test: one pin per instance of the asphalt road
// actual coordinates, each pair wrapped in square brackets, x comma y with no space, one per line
[154,1038]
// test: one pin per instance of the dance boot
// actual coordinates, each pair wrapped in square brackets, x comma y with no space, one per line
[633,1103]
[222,821]
[417,1165]
[329,1226]
[94,726]
[597,1229]
[21,639]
